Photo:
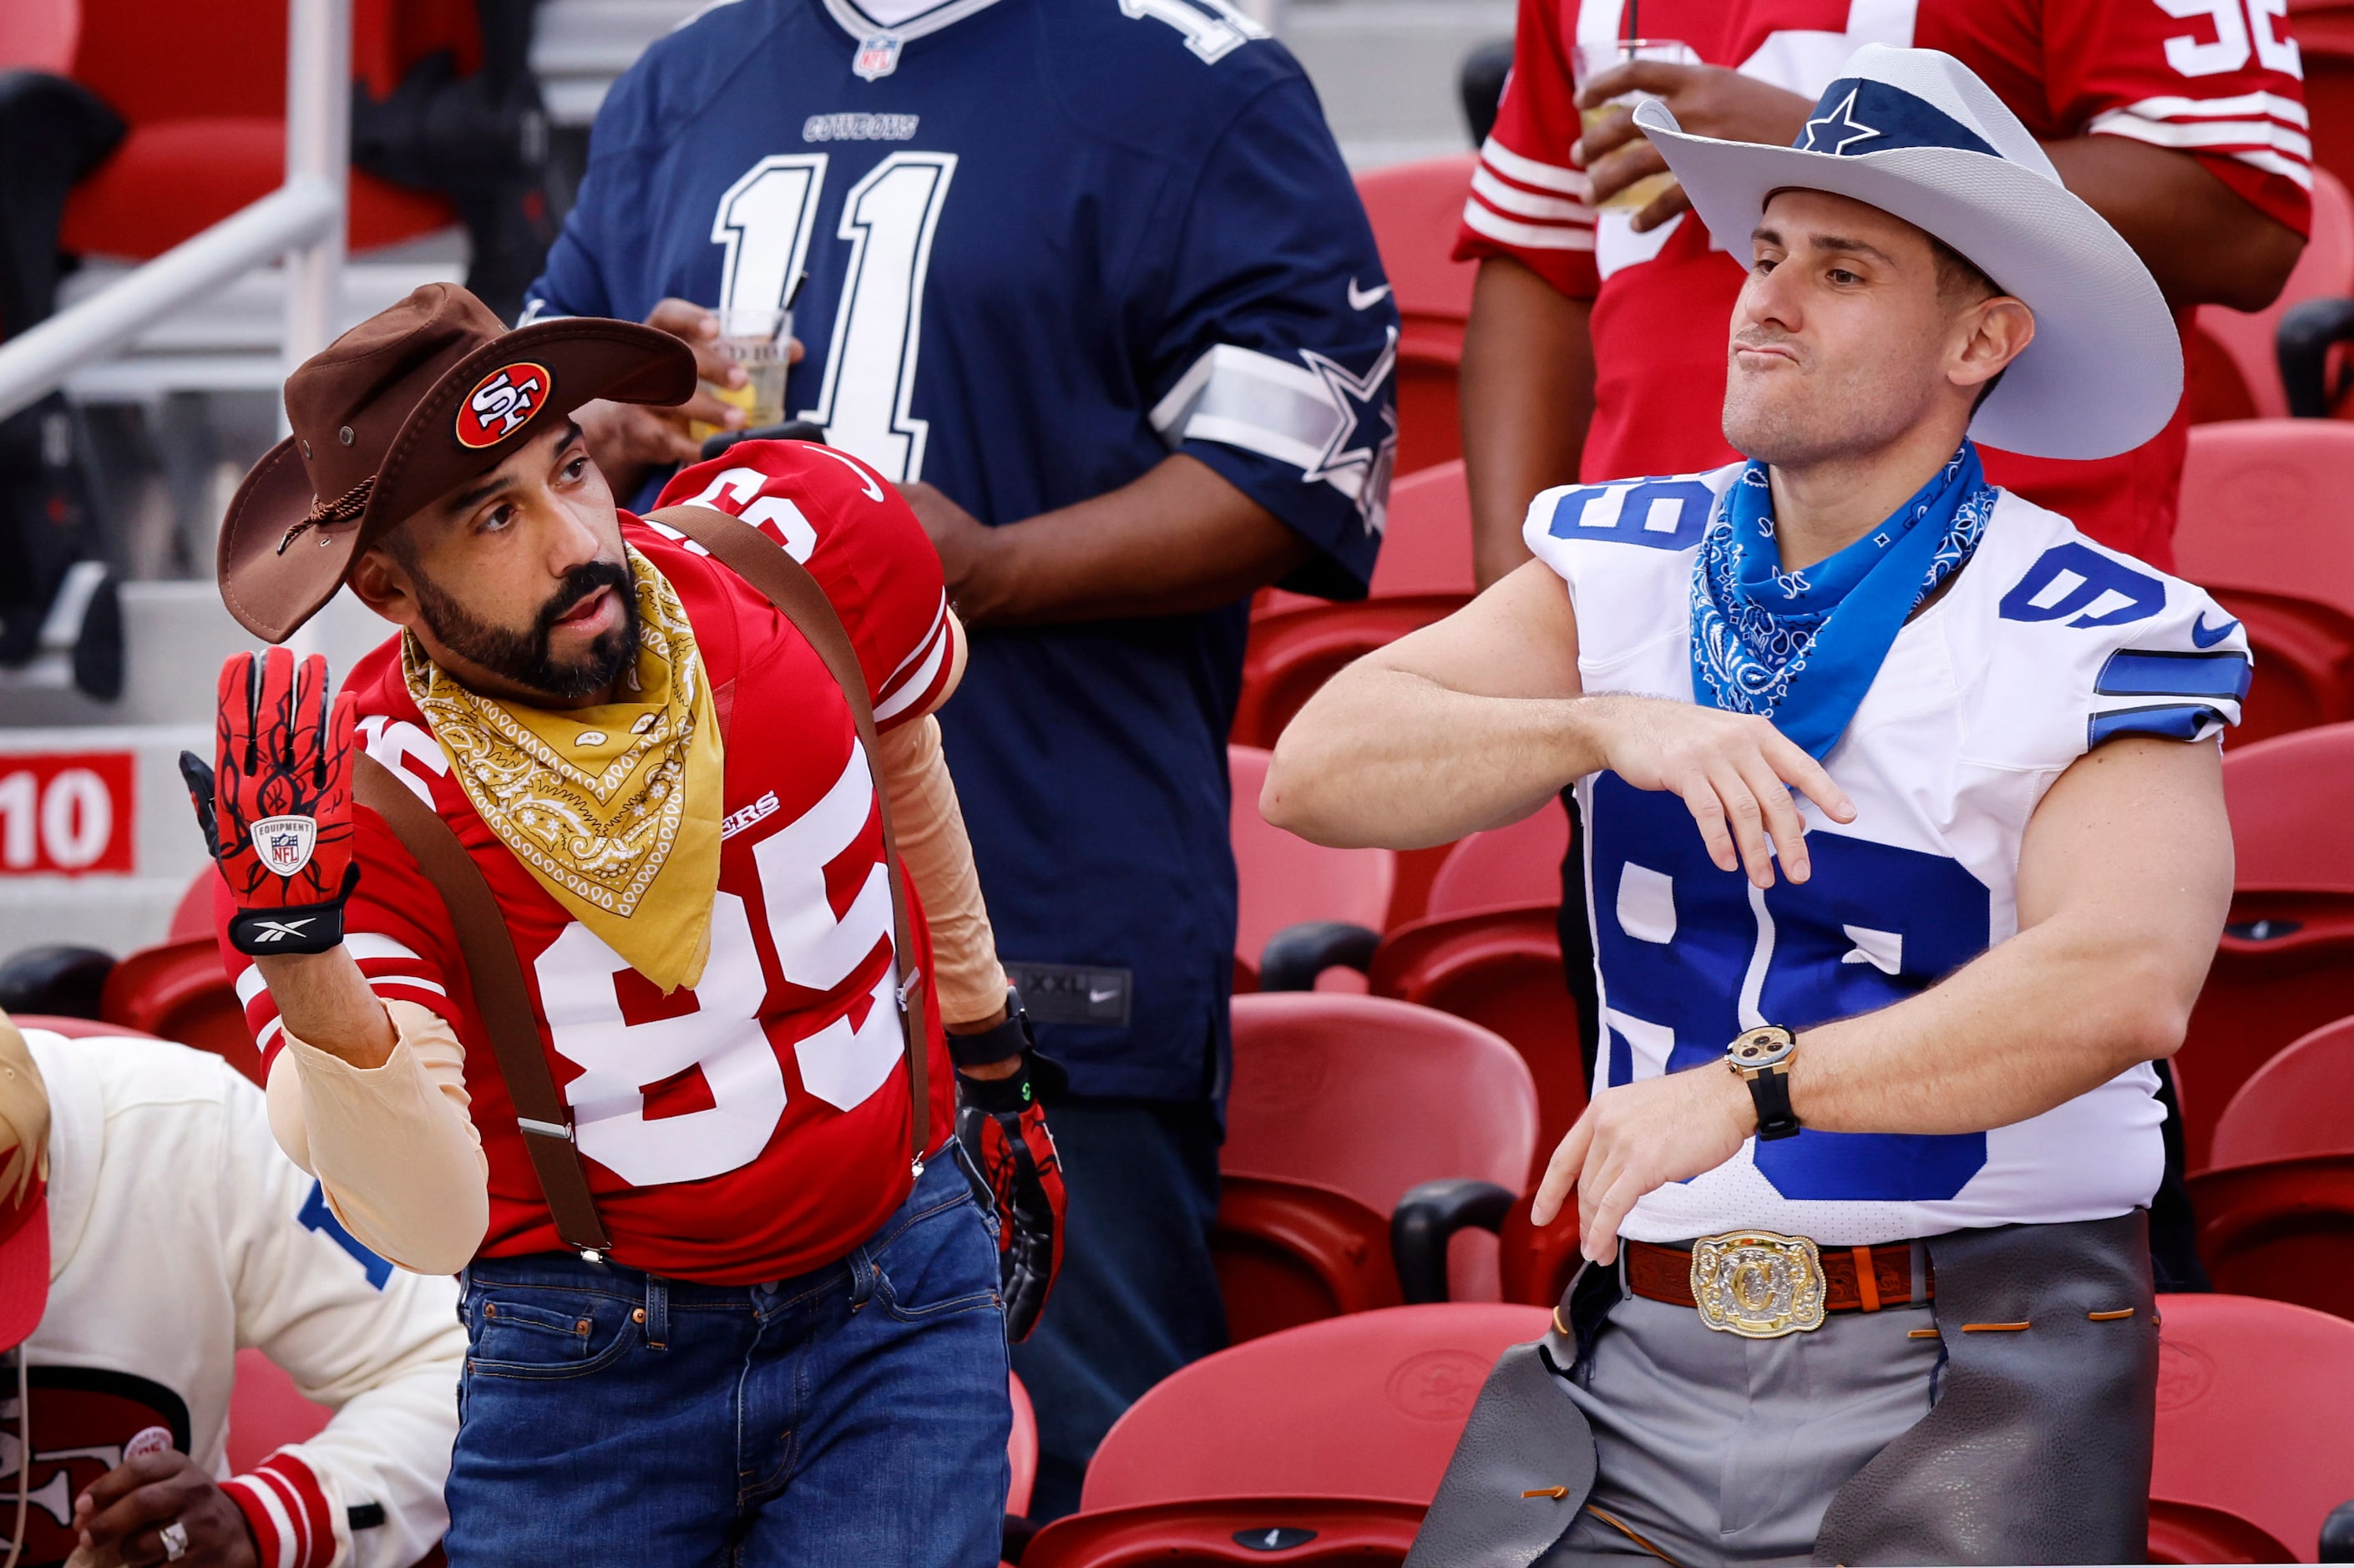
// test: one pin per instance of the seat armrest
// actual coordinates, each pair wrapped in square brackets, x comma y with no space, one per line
[2302,343]
[1295,955]
[1427,1217]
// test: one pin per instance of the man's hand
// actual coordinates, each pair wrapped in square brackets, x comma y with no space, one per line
[1707,101]
[964,542]
[1733,772]
[276,803]
[627,440]
[1637,1138]
[121,1518]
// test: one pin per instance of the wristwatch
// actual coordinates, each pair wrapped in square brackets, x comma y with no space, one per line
[1006,1039]
[1760,1057]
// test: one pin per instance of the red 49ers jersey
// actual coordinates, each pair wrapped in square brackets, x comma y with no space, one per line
[2220,80]
[755,1126]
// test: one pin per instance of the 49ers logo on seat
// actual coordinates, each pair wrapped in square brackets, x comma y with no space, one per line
[502,403]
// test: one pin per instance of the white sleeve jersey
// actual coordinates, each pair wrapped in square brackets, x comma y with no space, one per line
[2046,645]
[179,1234]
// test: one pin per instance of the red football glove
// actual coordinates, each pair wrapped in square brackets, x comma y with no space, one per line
[277,808]
[1003,1128]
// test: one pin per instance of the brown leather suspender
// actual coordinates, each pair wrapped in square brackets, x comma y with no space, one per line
[485,944]
[488,948]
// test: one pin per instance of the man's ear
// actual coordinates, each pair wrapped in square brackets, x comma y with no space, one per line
[1994,331]
[384,586]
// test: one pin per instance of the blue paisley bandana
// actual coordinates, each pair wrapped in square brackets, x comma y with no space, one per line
[1757,629]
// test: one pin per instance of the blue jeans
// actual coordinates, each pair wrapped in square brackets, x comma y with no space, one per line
[855,1413]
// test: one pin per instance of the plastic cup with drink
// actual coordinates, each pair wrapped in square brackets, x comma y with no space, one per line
[1591,59]
[758,338]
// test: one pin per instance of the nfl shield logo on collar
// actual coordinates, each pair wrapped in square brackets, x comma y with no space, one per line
[284,843]
[877,57]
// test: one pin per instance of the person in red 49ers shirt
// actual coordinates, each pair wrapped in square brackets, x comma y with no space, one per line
[1596,346]
[793,1348]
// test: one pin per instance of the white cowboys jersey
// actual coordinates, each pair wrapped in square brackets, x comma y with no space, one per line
[2046,645]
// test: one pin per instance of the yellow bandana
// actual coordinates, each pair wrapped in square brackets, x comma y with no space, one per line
[608,805]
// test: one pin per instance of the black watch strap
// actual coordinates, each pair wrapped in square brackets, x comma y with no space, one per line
[1770,1089]
[1001,1042]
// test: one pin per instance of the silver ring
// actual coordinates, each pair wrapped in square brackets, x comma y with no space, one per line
[174,1536]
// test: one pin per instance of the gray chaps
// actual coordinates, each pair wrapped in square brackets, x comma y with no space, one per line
[1853,1444]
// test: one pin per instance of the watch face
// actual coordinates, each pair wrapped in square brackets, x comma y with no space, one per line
[1761,1048]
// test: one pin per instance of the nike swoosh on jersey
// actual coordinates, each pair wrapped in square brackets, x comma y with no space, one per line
[2206,639]
[1094,995]
[1365,298]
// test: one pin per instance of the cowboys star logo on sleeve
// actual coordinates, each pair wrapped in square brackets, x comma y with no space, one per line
[284,843]
[502,403]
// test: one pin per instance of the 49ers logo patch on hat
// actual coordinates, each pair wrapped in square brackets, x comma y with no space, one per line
[502,403]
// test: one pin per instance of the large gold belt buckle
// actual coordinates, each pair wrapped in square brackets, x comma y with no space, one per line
[1758,1284]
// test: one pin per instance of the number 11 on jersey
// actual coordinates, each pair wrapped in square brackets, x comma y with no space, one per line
[766,221]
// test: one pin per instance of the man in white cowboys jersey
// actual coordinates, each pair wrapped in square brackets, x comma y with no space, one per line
[1906,808]
[1088,280]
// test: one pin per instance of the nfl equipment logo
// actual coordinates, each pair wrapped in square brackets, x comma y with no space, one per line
[877,57]
[284,843]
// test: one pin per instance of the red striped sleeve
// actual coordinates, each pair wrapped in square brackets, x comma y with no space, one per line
[287,1510]
[1528,198]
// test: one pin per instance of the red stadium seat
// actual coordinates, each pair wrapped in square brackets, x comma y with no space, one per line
[1503,867]
[1283,880]
[2242,379]
[2285,965]
[2251,1420]
[1500,967]
[1343,1427]
[2282,1229]
[1414,209]
[267,1412]
[2295,1105]
[2253,1450]
[192,915]
[1021,1448]
[179,990]
[1289,1252]
[1294,651]
[39,34]
[203,89]
[1361,1099]
[2262,528]
[1426,540]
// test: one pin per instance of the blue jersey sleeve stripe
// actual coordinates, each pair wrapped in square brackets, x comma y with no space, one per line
[2171,721]
[2149,673]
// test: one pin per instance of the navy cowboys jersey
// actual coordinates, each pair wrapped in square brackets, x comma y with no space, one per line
[1047,242]
[2046,645]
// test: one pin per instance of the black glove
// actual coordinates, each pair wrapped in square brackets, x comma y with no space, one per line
[1003,1128]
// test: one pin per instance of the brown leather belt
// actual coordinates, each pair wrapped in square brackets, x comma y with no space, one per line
[1855,1279]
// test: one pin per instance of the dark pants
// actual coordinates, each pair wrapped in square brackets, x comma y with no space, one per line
[1138,1297]
[855,1413]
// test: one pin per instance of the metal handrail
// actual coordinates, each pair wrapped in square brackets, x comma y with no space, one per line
[302,220]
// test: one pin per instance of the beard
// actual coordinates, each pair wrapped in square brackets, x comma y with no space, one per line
[524,657]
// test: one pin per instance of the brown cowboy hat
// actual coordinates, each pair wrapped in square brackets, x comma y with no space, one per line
[401,409]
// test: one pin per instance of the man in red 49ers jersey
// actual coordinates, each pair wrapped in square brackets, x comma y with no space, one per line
[792,1350]
[1596,342]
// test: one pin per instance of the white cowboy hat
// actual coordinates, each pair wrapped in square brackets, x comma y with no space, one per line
[1914,133]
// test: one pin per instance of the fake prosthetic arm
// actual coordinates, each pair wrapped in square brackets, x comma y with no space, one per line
[938,857]
[275,804]
[999,1120]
